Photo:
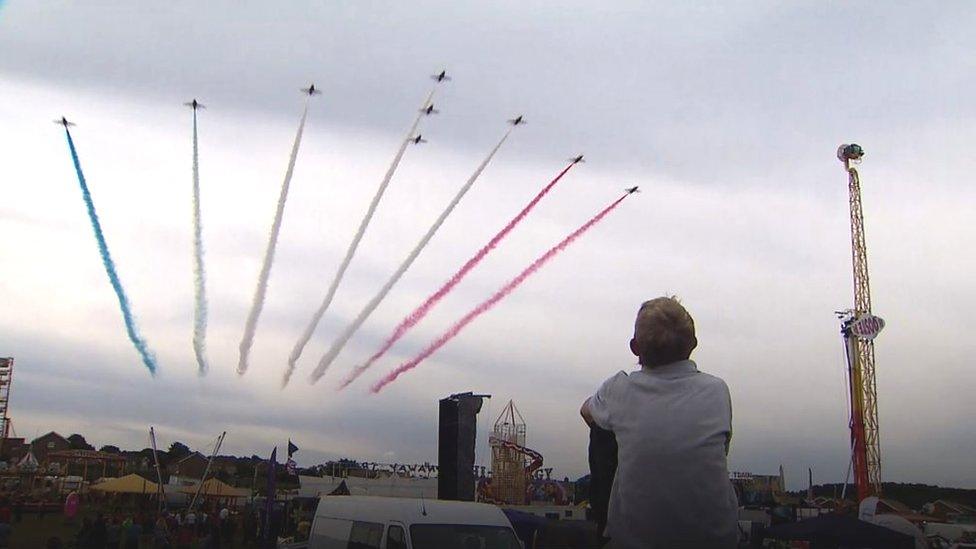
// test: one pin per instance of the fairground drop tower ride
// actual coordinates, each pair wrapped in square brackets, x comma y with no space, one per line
[6,377]
[859,328]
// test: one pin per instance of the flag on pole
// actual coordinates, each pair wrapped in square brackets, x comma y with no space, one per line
[270,498]
[290,466]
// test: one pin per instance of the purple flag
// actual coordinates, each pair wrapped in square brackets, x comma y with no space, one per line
[270,498]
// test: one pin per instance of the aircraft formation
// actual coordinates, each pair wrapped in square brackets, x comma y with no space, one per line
[413,137]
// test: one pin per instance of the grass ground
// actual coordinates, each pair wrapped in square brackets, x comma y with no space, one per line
[33,532]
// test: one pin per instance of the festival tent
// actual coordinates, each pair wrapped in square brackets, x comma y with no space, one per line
[214,489]
[29,461]
[129,484]
[341,490]
[217,489]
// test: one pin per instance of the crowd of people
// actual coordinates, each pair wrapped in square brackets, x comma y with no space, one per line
[101,525]
[184,529]
[206,528]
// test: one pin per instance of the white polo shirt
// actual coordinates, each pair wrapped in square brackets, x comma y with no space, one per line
[672,489]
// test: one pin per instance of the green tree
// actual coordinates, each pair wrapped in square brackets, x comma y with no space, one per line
[78,442]
[178,450]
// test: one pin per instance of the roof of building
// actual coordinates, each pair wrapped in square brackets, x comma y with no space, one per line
[917,517]
[49,433]
[896,506]
[957,507]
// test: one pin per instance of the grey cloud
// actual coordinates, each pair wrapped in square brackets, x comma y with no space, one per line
[643,85]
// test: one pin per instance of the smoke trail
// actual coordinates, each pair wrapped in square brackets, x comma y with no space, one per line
[296,352]
[343,338]
[199,274]
[130,324]
[252,317]
[420,312]
[494,299]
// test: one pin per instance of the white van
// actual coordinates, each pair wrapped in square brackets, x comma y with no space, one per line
[366,522]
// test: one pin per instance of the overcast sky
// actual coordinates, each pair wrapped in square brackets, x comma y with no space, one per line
[727,117]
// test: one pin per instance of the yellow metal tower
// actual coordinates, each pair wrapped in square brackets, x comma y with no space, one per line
[859,329]
[507,461]
[6,377]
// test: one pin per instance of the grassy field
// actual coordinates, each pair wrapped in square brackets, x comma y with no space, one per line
[33,533]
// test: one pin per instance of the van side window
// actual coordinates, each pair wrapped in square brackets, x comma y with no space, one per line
[396,538]
[365,535]
[330,533]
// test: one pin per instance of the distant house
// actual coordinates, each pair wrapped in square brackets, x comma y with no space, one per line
[12,449]
[950,511]
[191,466]
[51,442]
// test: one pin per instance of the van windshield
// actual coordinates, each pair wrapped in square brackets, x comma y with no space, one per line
[462,536]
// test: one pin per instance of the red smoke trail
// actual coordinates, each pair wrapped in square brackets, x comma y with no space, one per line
[420,312]
[494,299]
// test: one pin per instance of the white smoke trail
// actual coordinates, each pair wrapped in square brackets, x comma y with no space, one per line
[344,337]
[296,352]
[199,274]
[256,306]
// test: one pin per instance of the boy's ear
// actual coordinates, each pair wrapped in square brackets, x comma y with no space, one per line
[634,348]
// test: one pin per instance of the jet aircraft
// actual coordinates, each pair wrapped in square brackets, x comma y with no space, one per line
[418,140]
[195,105]
[429,110]
[517,120]
[441,76]
[577,159]
[632,190]
[311,90]
[64,122]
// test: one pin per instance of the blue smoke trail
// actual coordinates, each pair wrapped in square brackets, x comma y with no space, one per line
[199,274]
[130,324]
